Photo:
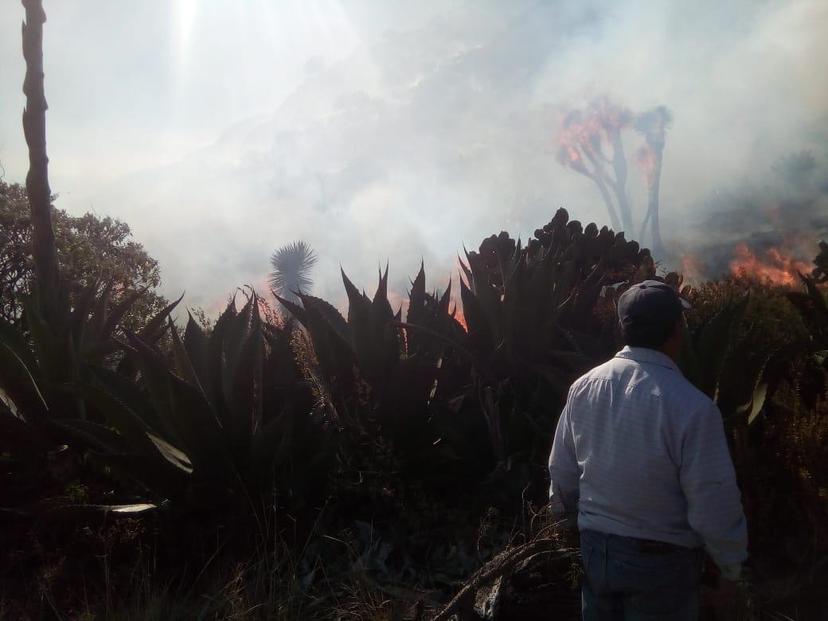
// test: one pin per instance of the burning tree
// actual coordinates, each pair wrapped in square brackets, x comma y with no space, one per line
[591,144]
[653,124]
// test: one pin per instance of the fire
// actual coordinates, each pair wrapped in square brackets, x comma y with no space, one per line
[601,124]
[578,135]
[460,318]
[571,154]
[646,159]
[775,267]
[587,131]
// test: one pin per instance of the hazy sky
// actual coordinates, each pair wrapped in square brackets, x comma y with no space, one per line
[382,130]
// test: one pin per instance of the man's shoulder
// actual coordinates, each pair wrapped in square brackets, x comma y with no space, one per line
[685,394]
[668,383]
[605,372]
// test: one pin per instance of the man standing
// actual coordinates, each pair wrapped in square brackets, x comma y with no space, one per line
[641,455]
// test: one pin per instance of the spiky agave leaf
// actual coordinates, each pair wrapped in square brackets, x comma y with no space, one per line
[291,265]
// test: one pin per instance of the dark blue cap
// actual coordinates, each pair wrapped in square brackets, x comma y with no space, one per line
[650,303]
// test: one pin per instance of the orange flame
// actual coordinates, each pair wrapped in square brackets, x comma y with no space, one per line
[583,134]
[587,130]
[573,138]
[775,267]
[571,154]
[460,318]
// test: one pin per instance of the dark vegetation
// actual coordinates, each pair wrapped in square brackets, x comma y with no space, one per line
[364,466]
[323,465]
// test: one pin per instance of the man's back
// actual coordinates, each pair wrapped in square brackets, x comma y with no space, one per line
[642,455]
[646,453]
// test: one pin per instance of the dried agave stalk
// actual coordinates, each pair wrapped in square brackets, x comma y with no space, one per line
[37,179]
[308,363]
[500,566]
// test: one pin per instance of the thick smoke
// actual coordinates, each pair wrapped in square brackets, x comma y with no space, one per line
[442,130]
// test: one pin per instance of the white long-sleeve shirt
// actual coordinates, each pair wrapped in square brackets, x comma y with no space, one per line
[642,453]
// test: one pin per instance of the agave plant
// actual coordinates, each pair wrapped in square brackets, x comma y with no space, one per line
[64,336]
[813,309]
[718,362]
[42,370]
[392,381]
[222,412]
[743,344]
[486,396]
[536,319]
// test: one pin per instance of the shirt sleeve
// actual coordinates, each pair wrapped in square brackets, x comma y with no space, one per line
[564,472]
[708,479]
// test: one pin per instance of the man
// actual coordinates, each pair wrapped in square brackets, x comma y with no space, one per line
[642,456]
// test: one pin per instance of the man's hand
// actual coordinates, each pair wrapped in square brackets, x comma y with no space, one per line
[723,588]
[725,595]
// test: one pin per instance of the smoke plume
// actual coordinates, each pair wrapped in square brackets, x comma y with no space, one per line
[439,127]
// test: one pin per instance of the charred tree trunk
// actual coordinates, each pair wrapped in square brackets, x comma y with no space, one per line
[597,175]
[602,187]
[37,179]
[619,164]
[655,229]
[653,124]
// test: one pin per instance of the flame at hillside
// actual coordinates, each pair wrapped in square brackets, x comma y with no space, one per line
[774,266]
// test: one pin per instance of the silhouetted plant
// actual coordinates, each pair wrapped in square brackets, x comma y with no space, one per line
[292,265]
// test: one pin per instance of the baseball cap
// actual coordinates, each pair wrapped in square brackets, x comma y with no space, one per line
[650,303]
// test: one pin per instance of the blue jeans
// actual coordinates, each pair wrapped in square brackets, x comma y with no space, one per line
[623,581]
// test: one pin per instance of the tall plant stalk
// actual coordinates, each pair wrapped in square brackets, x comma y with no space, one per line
[37,179]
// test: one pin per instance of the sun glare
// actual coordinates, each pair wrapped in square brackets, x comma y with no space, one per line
[184,16]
